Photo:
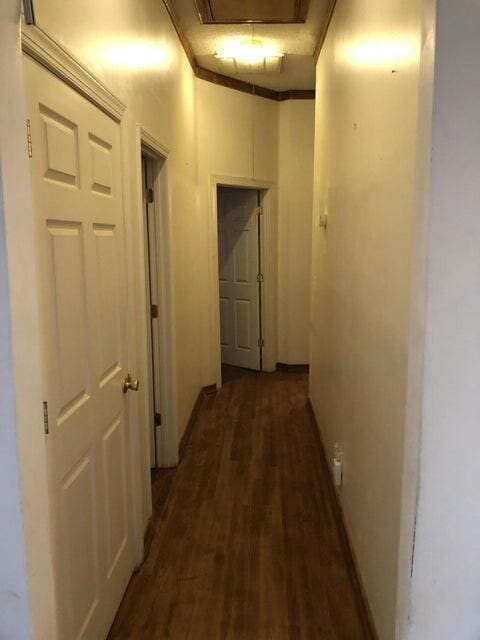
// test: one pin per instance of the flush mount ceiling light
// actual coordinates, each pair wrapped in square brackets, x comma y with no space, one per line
[248,56]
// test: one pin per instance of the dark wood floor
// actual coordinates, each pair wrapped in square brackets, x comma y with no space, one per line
[247,546]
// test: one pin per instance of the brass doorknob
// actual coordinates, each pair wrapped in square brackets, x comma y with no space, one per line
[128,383]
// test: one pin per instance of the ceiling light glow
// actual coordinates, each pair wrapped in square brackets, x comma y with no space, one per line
[379,52]
[248,51]
[135,55]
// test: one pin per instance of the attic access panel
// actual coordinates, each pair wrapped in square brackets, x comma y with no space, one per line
[241,11]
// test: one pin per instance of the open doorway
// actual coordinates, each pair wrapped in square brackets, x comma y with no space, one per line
[155,312]
[151,234]
[240,279]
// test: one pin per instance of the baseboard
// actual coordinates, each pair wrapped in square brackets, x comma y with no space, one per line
[292,368]
[210,390]
[353,567]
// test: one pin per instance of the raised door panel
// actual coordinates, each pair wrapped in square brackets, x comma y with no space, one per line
[113,451]
[242,258]
[102,165]
[108,315]
[60,148]
[224,322]
[222,255]
[243,339]
[67,279]
[80,587]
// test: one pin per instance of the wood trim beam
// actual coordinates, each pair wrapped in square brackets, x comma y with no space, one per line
[234,83]
[323,34]
[296,94]
[181,34]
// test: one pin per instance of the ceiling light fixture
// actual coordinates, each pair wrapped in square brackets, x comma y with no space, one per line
[248,56]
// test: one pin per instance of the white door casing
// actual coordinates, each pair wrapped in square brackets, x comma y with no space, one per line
[238,267]
[77,188]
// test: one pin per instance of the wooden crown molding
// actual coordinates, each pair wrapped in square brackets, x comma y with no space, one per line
[323,34]
[180,33]
[296,94]
[227,81]
[234,83]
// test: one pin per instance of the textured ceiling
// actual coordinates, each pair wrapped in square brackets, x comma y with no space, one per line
[297,41]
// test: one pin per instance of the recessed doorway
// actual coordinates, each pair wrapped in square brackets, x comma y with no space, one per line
[157,312]
[240,277]
[149,167]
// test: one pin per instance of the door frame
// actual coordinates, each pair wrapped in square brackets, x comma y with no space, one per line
[167,452]
[268,253]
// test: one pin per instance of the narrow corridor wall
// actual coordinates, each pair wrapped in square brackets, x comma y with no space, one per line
[365,168]
[445,570]
[295,199]
[27,605]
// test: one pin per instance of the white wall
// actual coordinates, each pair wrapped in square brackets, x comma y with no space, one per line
[295,193]
[14,601]
[446,571]
[365,172]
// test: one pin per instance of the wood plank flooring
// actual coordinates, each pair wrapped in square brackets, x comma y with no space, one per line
[247,546]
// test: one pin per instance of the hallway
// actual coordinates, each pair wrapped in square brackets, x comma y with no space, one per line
[247,546]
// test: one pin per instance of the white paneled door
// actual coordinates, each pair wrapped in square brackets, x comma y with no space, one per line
[76,177]
[238,258]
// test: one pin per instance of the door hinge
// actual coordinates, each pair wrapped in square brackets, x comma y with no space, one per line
[45,419]
[259,211]
[260,278]
[261,342]
[29,139]
[157,421]
[154,311]
[149,195]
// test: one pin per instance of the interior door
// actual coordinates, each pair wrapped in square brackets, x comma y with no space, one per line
[238,255]
[154,311]
[76,178]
